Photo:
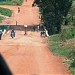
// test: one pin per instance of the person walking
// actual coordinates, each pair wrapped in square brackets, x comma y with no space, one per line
[18,9]
[43,34]
[13,33]
[34,27]
[38,28]
[16,23]
[25,26]
[0,34]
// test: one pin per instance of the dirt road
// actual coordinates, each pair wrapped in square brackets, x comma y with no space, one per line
[29,55]
[28,15]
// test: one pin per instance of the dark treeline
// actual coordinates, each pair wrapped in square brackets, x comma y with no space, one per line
[53,13]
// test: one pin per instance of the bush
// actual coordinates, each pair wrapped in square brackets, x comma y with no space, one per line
[68,33]
[72,59]
[1,18]
[6,12]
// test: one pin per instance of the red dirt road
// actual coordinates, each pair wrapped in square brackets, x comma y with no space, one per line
[29,55]
[28,15]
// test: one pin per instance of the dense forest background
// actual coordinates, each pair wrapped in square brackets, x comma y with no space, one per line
[54,13]
[58,16]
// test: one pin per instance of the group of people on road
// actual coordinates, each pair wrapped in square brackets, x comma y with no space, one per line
[35,28]
[12,33]
[42,34]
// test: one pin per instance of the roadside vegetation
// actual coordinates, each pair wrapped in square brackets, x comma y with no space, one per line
[5,12]
[53,12]
[1,18]
[63,44]
[11,2]
[58,16]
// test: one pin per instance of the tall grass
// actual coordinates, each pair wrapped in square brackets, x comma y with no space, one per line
[56,48]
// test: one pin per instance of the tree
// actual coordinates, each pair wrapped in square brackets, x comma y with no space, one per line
[53,12]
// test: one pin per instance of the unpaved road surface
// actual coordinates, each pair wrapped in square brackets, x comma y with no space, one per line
[28,15]
[29,55]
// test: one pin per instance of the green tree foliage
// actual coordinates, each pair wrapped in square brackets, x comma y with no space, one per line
[53,12]
[1,18]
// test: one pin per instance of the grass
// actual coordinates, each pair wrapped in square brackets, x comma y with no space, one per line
[73,70]
[68,32]
[12,2]
[55,48]
[60,48]
[5,12]
[1,18]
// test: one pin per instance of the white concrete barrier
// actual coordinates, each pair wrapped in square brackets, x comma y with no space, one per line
[46,33]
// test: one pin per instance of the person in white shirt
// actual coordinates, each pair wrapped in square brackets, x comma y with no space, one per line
[25,26]
[38,28]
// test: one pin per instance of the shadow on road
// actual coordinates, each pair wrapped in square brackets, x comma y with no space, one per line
[4,70]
